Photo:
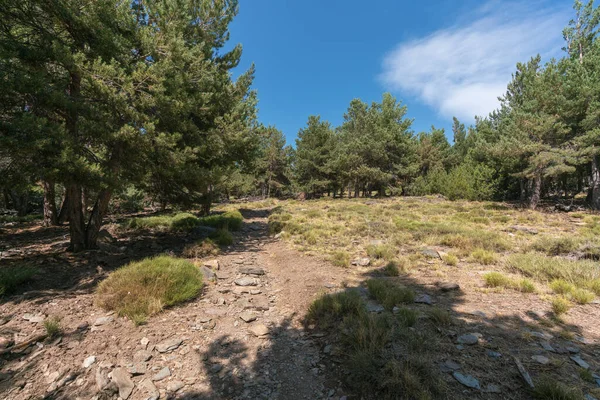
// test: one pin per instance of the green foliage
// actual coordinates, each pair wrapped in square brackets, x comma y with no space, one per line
[176,222]
[222,237]
[381,251]
[450,259]
[496,279]
[548,388]
[555,246]
[391,269]
[560,305]
[11,278]
[230,220]
[388,294]
[20,219]
[483,256]
[202,248]
[340,259]
[52,327]
[143,288]
[439,317]
[330,309]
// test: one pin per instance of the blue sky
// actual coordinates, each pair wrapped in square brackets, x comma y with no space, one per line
[440,57]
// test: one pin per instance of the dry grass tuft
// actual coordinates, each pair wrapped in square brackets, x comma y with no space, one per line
[143,288]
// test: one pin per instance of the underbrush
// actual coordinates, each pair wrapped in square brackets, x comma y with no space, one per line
[388,294]
[13,277]
[144,288]
[201,248]
[499,280]
[230,220]
[583,274]
[22,219]
[372,370]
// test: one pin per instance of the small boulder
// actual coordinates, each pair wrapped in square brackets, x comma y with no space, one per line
[246,281]
[252,271]
[34,318]
[208,274]
[466,380]
[162,374]
[89,361]
[169,345]
[121,378]
[259,330]
[469,338]
[141,356]
[448,286]
[540,359]
[579,361]
[151,391]
[212,264]
[103,321]
[175,386]
[247,317]
[431,253]
[423,299]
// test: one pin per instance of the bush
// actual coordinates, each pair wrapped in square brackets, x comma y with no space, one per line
[230,220]
[391,269]
[381,251]
[340,259]
[406,317]
[450,259]
[13,277]
[560,305]
[52,326]
[144,288]
[202,248]
[582,296]
[439,317]
[496,279]
[222,237]
[388,294]
[560,286]
[554,246]
[550,389]
[526,286]
[177,222]
[184,222]
[329,309]
[483,256]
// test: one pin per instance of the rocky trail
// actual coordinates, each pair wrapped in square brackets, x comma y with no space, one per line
[243,338]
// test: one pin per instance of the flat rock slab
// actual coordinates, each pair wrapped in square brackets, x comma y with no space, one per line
[142,356]
[247,317]
[121,378]
[540,359]
[212,264]
[208,274]
[89,361]
[423,299]
[259,330]
[246,281]
[103,321]
[168,345]
[430,253]
[175,386]
[448,286]
[362,262]
[524,374]
[466,380]
[162,374]
[252,271]
[469,338]
[450,366]
[579,361]
[148,387]
[34,318]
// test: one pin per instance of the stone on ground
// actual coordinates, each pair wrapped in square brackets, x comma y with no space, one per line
[259,330]
[466,380]
[162,374]
[168,345]
[121,378]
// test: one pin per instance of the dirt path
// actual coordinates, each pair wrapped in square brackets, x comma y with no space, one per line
[201,350]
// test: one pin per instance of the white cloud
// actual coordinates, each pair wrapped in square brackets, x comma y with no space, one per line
[460,71]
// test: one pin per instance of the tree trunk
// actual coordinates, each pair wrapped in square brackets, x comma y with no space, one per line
[76,222]
[20,202]
[50,214]
[595,184]
[536,191]
[96,217]
[63,215]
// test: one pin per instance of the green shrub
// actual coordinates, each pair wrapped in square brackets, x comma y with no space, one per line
[582,296]
[329,309]
[340,259]
[549,388]
[230,220]
[222,237]
[555,246]
[496,279]
[560,286]
[483,256]
[184,222]
[406,317]
[381,251]
[52,327]
[391,269]
[560,305]
[526,286]
[450,259]
[145,287]
[13,277]
[177,222]
[439,317]
[388,294]
[202,248]
[22,219]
